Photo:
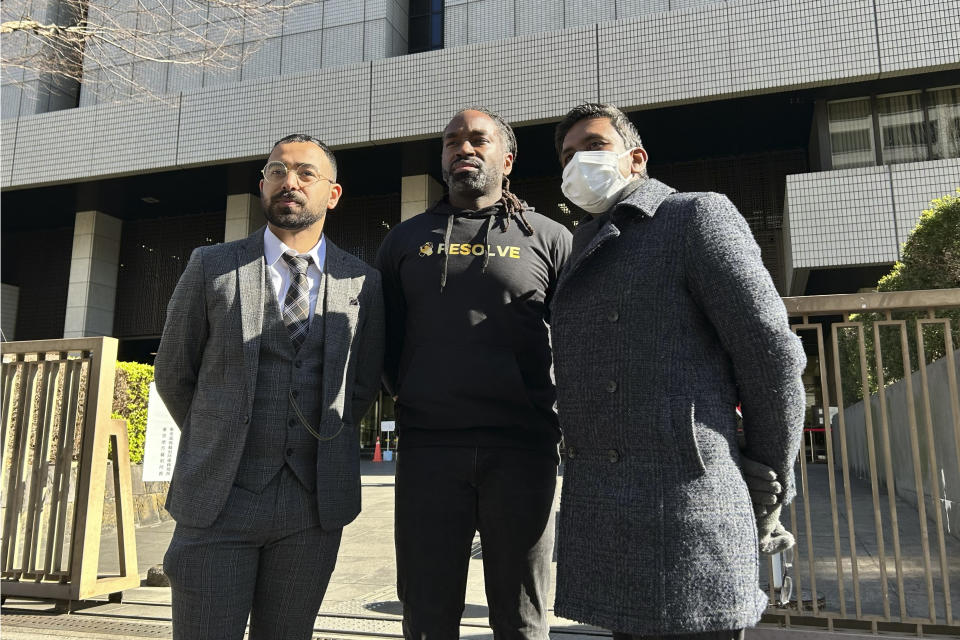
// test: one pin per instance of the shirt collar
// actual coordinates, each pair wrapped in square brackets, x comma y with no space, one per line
[273,248]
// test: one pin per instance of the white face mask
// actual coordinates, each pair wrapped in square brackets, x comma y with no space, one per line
[592,179]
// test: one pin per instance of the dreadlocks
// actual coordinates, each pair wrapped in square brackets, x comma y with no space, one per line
[511,203]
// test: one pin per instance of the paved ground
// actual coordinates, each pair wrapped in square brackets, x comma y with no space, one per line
[910,588]
[362,602]
[361,599]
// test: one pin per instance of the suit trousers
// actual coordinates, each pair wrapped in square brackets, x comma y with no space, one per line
[265,556]
[446,494]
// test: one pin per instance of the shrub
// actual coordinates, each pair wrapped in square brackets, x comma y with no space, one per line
[930,260]
[131,392]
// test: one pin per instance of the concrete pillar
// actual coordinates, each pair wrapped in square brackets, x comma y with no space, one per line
[94,263]
[244,216]
[417,194]
[9,299]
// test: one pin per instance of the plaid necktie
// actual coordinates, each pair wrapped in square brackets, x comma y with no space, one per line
[296,304]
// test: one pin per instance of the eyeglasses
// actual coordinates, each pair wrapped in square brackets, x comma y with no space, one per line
[276,171]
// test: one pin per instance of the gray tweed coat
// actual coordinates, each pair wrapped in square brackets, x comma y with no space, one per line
[206,371]
[664,319]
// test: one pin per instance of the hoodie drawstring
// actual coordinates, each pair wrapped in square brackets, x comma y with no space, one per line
[446,251]
[486,244]
[511,205]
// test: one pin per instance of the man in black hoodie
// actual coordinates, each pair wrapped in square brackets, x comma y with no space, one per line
[467,286]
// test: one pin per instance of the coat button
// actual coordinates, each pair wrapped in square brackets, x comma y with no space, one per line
[611,386]
[295,394]
[246,419]
[297,363]
[613,316]
[613,455]
[292,422]
[571,452]
[289,452]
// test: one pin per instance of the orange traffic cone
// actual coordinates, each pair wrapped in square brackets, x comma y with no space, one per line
[377,454]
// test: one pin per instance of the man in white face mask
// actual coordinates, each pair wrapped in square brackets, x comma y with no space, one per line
[598,171]
[664,320]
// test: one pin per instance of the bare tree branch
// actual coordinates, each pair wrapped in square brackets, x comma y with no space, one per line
[104,44]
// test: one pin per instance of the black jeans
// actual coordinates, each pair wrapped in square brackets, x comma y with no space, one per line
[443,496]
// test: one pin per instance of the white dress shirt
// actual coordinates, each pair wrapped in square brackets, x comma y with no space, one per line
[279,270]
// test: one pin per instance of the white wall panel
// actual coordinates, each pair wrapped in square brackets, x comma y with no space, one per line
[915,184]
[917,34]
[839,218]
[710,51]
[524,79]
[301,52]
[8,143]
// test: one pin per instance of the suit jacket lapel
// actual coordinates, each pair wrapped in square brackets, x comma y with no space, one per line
[250,278]
[341,309]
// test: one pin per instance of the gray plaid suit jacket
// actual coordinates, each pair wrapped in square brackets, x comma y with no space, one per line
[206,369]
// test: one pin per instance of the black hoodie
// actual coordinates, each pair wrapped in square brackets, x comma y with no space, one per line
[468,341]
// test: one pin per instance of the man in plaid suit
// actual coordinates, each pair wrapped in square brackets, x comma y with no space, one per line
[270,356]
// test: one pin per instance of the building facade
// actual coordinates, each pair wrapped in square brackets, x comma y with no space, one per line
[831,124]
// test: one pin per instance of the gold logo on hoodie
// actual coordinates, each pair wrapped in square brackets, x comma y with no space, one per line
[426,249]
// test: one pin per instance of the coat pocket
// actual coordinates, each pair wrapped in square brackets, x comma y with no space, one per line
[683,432]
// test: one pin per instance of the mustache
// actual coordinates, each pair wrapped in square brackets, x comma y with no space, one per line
[469,162]
[289,195]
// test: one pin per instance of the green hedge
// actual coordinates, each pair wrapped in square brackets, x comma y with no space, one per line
[131,392]
[930,260]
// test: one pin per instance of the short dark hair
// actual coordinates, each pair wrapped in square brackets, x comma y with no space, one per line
[506,131]
[302,137]
[621,123]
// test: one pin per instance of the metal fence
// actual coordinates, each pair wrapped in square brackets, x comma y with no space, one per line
[57,397]
[879,466]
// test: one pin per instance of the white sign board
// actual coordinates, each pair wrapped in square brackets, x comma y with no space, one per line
[388,425]
[162,439]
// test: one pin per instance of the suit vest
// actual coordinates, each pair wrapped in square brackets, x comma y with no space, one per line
[286,380]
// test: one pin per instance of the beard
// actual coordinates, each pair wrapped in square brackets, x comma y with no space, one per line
[472,183]
[279,215]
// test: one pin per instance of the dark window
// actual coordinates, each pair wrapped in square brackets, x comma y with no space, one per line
[426,25]
[43,276]
[153,255]
[362,222]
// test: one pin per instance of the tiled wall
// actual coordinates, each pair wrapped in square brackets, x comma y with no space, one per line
[913,184]
[303,38]
[699,52]
[472,21]
[736,48]
[23,91]
[917,33]
[73,144]
[524,79]
[841,217]
[861,216]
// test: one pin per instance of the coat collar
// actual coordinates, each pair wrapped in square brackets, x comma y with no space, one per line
[593,233]
[646,198]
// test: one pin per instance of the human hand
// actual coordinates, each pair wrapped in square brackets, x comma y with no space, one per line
[771,534]
[762,483]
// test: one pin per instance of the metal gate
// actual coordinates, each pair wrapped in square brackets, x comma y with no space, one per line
[878,538]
